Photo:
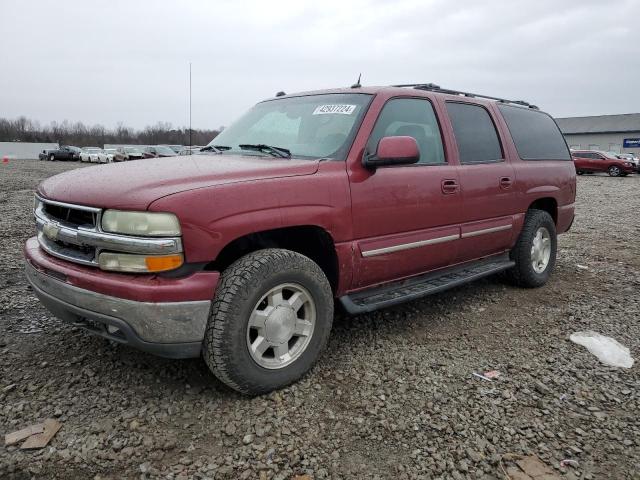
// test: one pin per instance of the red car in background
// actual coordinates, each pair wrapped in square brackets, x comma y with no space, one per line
[590,161]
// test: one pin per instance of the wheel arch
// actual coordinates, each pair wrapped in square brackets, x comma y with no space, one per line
[311,241]
[548,204]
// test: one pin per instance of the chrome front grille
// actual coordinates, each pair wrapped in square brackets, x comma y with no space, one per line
[72,215]
[58,227]
[74,233]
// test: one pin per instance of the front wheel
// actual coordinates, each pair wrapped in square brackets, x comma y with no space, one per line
[270,319]
[52,158]
[535,250]
[614,171]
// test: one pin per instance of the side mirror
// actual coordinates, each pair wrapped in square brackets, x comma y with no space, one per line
[393,151]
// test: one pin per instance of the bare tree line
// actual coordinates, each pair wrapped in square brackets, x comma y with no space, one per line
[78,134]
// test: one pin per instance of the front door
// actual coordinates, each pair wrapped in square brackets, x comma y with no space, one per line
[405,217]
[600,163]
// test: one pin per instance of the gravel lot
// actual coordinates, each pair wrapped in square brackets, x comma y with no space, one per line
[392,397]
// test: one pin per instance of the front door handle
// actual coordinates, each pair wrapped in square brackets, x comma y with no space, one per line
[450,186]
[506,182]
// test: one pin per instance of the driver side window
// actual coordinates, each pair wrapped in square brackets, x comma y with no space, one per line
[411,117]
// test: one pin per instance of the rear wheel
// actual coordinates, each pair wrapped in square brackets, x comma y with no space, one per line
[270,319]
[579,172]
[614,171]
[535,250]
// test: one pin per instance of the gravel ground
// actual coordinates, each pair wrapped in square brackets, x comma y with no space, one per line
[392,397]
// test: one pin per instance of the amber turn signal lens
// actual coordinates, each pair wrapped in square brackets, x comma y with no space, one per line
[163,263]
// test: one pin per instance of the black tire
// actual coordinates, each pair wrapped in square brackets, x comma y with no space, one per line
[242,285]
[52,158]
[580,172]
[614,171]
[523,273]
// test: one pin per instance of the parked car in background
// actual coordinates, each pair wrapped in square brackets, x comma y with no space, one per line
[592,161]
[158,151]
[364,198]
[63,153]
[189,150]
[176,148]
[110,153]
[92,155]
[123,154]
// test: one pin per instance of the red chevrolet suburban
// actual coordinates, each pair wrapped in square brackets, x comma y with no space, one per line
[363,197]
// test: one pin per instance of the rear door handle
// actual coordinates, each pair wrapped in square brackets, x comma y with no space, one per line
[449,186]
[506,182]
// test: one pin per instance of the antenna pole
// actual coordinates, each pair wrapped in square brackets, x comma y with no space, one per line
[189,106]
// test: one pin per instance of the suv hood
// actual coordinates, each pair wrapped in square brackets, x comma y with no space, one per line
[135,185]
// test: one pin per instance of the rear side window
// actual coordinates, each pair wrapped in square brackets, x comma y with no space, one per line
[475,133]
[411,117]
[535,134]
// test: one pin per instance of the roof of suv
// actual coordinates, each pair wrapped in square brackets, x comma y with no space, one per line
[408,89]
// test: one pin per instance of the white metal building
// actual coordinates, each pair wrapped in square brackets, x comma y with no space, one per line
[612,133]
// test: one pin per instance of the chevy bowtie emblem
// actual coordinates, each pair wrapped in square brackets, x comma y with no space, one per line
[51,231]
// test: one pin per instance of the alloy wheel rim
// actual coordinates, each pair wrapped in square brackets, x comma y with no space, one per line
[615,170]
[281,325]
[541,250]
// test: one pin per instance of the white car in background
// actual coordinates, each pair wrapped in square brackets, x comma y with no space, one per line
[630,157]
[109,153]
[93,155]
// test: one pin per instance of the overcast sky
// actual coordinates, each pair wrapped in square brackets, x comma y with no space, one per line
[127,61]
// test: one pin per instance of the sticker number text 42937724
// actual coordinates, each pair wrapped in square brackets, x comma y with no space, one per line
[339,109]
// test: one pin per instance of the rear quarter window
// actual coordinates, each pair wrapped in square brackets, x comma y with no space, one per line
[535,134]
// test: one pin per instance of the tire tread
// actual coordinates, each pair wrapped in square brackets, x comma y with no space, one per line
[238,281]
[522,274]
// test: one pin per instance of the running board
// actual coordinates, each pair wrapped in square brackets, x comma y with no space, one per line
[423,285]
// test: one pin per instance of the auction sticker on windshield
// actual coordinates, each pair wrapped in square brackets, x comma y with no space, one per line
[340,109]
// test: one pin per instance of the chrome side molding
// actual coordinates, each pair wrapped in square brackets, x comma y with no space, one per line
[433,241]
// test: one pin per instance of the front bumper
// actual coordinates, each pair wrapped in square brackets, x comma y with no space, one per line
[173,329]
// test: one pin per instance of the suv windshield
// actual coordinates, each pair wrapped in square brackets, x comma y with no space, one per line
[313,126]
[164,150]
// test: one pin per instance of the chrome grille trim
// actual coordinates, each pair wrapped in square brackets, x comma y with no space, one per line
[69,205]
[93,238]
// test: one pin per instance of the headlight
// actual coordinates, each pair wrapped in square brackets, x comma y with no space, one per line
[149,224]
[127,262]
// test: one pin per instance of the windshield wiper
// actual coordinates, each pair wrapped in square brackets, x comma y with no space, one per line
[211,148]
[261,147]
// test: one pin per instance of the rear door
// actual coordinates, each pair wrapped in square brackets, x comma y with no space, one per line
[487,181]
[405,218]
[581,161]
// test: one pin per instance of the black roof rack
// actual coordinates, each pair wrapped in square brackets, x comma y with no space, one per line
[432,87]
